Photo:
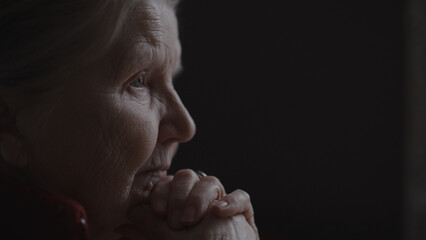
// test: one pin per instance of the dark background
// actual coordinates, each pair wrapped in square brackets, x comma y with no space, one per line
[299,103]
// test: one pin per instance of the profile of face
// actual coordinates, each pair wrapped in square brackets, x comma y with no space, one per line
[111,129]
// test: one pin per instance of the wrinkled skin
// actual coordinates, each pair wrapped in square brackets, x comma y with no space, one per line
[112,129]
[215,217]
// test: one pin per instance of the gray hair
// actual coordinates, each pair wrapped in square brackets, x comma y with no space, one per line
[41,38]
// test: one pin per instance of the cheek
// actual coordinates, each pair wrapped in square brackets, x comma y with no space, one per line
[90,149]
[116,135]
[96,141]
[137,130]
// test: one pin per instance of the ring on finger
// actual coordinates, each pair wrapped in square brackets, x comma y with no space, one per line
[201,174]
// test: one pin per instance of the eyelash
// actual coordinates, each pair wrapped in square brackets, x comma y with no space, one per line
[140,81]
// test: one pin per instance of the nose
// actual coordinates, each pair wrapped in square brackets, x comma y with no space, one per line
[176,124]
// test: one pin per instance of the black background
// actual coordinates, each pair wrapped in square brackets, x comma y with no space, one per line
[299,103]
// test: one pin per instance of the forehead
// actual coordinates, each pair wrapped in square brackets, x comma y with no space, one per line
[151,34]
[153,21]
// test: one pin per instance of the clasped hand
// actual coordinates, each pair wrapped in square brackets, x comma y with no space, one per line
[185,207]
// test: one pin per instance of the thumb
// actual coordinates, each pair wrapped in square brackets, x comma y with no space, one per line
[237,202]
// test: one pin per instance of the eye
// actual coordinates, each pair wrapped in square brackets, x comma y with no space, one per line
[140,81]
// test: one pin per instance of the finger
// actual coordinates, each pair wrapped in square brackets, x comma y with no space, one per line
[237,202]
[181,186]
[160,195]
[147,225]
[204,192]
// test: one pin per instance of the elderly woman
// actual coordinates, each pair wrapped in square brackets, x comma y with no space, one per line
[90,122]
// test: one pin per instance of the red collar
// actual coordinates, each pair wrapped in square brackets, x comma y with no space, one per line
[32,213]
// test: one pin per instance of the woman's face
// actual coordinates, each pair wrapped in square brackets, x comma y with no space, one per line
[114,127]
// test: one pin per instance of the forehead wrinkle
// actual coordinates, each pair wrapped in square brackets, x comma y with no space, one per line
[158,30]
[149,28]
[150,23]
[137,38]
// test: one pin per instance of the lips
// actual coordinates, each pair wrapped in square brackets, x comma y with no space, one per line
[155,169]
[157,173]
[152,173]
[159,162]
[143,178]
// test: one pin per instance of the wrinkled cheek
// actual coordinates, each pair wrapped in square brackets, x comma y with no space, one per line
[132,144]
[140,144]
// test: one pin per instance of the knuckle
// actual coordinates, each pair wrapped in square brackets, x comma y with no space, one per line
[186,174]
[211,179]
[215,185]
[243,194]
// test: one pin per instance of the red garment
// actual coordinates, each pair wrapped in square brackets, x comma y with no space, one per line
[28,212]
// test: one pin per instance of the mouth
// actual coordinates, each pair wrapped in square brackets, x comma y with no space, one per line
[155,172]
[158,163]
[147,177]
[150,173]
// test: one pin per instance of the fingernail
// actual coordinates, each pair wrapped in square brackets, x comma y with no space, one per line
[222,203]
[188,215]
[175,219]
